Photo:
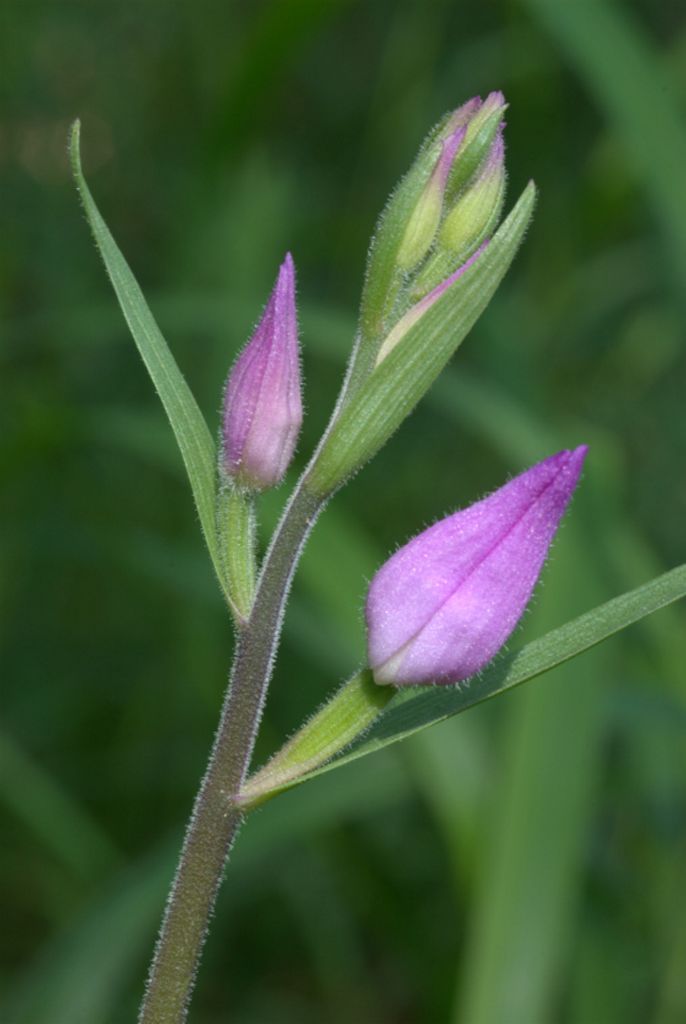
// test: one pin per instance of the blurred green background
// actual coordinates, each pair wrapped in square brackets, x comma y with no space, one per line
[522,864]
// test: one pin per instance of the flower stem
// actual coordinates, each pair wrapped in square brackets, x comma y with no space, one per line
[216,817]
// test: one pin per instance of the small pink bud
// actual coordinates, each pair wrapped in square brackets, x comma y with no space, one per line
[445,603]
[262,401]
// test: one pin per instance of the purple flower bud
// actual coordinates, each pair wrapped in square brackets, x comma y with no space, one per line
[262,402]
[445,603]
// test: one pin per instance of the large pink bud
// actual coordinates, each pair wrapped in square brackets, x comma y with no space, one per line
[445,603]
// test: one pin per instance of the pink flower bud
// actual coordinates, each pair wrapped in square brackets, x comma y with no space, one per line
[445,603]
[262,401]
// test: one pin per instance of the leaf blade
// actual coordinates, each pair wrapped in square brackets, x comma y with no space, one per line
[187,421]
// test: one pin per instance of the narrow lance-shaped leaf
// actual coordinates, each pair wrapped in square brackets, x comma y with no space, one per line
[413,709]
[236,536]
[190,429]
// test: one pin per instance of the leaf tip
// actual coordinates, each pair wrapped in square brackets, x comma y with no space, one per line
[529,197]
[75,146]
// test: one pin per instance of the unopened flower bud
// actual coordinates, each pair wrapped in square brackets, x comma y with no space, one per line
[461,117]
[446,602]
[414,313]
[485,123]
[493,106]
[425,218]
[476,212]
[262,401]
[472,219]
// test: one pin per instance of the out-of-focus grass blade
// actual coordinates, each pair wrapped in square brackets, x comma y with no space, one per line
[601,988]
[624,73]
[526,890]
[671,1001]
[81,974]
[190,429]
[86,970]
[58,821]
[333,940]
[411,711]
[451,765]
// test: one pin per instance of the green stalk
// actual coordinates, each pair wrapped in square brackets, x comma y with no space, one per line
[216,816]
[219,809]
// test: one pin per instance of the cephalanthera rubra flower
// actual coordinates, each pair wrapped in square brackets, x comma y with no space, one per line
[445,603]
[262,400]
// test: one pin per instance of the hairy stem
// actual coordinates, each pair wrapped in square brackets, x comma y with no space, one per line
[216,817]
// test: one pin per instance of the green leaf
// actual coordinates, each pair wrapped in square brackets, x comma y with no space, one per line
[414,709]
[390,393]
[190,429]
[236,536]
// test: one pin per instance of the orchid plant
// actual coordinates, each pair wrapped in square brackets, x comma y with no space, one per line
[442,607]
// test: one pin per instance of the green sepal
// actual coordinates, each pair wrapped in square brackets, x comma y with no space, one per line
[390,393]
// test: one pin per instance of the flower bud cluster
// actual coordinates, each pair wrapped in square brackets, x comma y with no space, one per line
[455,213]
